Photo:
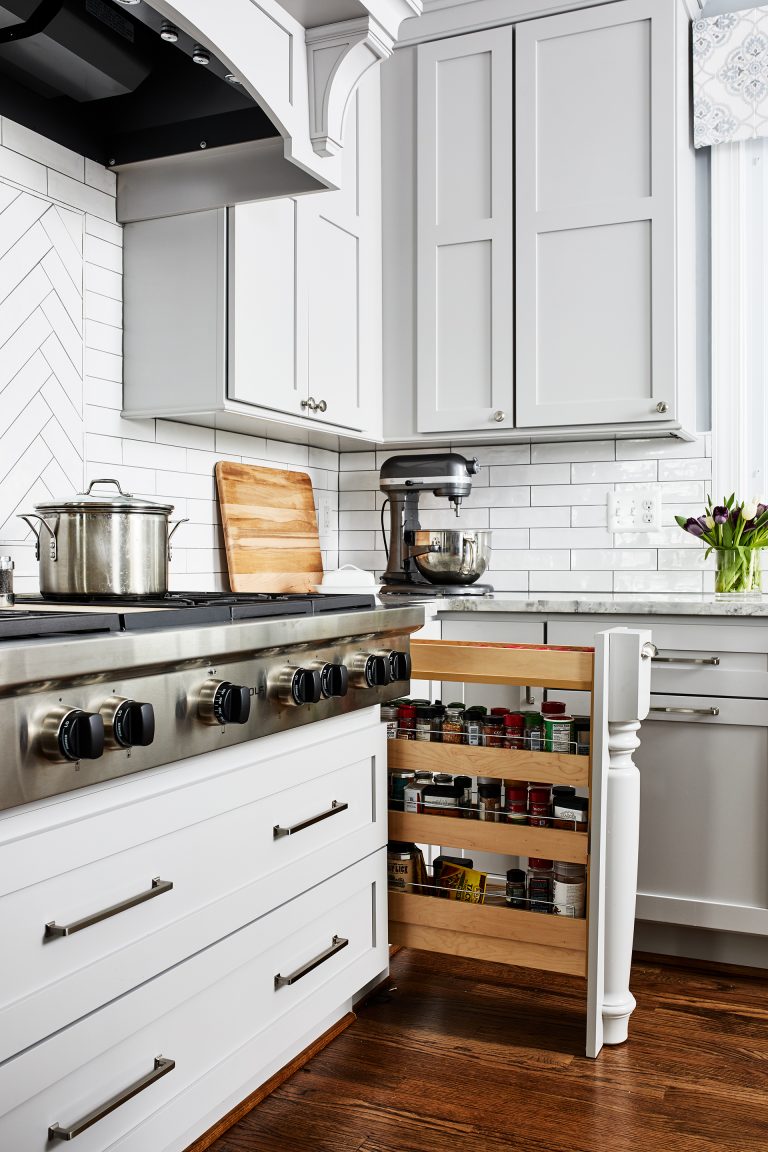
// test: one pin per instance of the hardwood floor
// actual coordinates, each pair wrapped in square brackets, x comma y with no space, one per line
[481,1058]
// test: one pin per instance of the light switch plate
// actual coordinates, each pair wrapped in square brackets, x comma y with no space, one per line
[635,510]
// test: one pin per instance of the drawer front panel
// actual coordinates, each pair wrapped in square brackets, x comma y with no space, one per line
[225,871]
[693,659]
[200,1013]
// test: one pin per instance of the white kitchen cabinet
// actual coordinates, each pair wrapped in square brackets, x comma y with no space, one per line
[596,337]
[84,1016]
[267,311]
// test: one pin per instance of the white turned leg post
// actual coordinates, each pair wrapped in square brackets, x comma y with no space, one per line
[622,831]
[629,687]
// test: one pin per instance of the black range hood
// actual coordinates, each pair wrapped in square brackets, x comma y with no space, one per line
[97,77]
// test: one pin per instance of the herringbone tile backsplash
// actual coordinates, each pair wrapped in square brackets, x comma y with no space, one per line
[61,371]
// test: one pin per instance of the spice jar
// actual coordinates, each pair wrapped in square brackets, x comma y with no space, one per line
[406,722]
[438,719]
[569,888]
[7,598]
[581,734]
[413,792]
[467,811]
[389,714]
[442,799]
[516,802]
[453,724]
[514,730]
[539,879]
[553,708]
[424,717]
[473,726]
[534,731]
[489,801]
[539,806]
[493,731]
[397,783]
[401,866]
[558,734]
[515,891]
[571,813]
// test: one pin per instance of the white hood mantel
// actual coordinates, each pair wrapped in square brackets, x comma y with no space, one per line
[301,74]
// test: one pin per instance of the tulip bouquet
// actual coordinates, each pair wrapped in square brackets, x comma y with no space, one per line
[735,533]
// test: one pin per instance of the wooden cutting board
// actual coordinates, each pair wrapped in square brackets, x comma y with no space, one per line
[270,528]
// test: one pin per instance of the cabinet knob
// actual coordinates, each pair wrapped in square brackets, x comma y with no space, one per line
[662,407]
[499,417]
[310,403]
[321,406]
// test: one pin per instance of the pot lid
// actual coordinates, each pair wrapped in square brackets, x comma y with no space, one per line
[104,502]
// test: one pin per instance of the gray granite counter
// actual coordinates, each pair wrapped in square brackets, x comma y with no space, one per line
[603,604]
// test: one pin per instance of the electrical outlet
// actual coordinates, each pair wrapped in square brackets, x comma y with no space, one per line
[324,512]
[635,510]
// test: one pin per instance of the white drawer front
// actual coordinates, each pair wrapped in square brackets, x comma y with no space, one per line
[226,870]
[197,1015]
[693,659]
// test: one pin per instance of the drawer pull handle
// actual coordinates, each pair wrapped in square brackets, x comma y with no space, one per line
[53,930]
[162,1068]
[689,711]
[337,944]
[335,808]
[713,661]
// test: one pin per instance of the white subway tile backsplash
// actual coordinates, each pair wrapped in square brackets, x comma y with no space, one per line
[145,454]
[103,393]
[685,469]
[571,538]
[104,281]
[27,173]
[46,152]
[589,516]
[239,445]
[571,452]
[95,226]
[104,449]
[685,560]
[510,538]
[637,559]
[358,462]
[561,494]
[513,560]
[660,449]
[571,581]
[185,435]
[103,254]
[622,471]
[531,474]
[355,501]
[529,518]
[103,337]
[82,196]
[657,582]
[100,177]
[105,309]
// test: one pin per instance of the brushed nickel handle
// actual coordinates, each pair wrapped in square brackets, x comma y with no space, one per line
[337,943]
[321,406]
[499,417]
[335,808]
[107,480]
[662,407]
[53,930]
[712,661]
[161,1068]
[310,404]
[689,711]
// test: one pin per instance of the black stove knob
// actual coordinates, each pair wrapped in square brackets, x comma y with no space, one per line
[307,686]
[72,734]
[334,680]
[133,724]
[377,671]
[400,665]
[224,703]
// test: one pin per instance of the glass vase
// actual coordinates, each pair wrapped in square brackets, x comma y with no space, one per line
[737,573]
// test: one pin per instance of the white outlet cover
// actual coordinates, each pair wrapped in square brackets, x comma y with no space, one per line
[635,510]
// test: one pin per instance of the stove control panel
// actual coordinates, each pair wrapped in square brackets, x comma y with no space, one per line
[72,734]
[399,665]
[127,723]
[221,702]
[370,670]
[334,680]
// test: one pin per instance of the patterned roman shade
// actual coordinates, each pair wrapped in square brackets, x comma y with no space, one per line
[730,77]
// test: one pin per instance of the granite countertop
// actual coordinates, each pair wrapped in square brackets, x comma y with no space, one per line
[603,604]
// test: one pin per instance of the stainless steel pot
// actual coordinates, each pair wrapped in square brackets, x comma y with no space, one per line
[450,557]
[102,545]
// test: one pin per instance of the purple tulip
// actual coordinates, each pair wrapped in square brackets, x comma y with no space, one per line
[720,515]
[694,527]
[760,509]
[735,513]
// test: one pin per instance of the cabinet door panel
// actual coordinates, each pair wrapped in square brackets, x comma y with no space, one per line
[262,322]
[464,233]
[703,799]
[595,215]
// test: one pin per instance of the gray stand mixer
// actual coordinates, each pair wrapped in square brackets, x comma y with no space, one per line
[424,561]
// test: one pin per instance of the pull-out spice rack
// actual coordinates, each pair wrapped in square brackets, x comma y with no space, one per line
[518,937]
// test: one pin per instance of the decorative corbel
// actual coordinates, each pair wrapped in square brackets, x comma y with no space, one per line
[337,56]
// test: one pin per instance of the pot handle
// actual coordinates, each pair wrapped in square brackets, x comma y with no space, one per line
[107,480]
[29,516]
[176,524]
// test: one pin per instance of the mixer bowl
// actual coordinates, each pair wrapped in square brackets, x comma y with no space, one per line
[451,557]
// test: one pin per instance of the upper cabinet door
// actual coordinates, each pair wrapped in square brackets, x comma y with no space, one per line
[464,247]
[596,253]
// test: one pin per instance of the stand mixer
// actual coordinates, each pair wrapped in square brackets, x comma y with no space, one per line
[423,561]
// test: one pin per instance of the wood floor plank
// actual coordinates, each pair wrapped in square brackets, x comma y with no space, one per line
[456,1054]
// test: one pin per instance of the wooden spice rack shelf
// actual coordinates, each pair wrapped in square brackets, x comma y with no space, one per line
[486,932]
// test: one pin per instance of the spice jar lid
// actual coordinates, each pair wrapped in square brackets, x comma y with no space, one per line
[488,790]
[499,711]
[552,708]
[575,803]
[539,864]
[457,704]
[443,778]
[532,719]
[563,792]
[493,721]
[514,719]
[516,875]
[475,711]
[407,709]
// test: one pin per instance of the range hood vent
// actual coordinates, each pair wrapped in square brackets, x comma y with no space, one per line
[147,89]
